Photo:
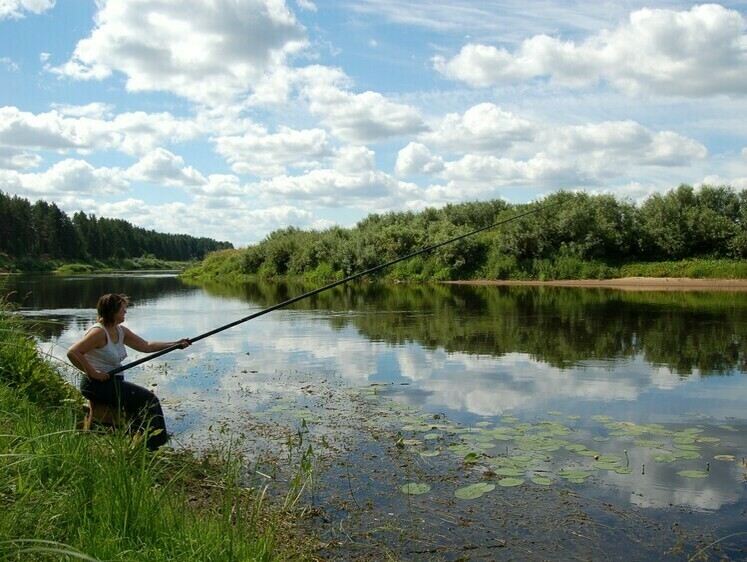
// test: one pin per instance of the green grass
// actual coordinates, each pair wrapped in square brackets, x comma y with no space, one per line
[69,494]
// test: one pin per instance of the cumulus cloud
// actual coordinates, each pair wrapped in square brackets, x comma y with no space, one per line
[483,127]
[204,51]
[66,177]
[496,149]
[357,118]
[700,52]
[416,159]
[132,133]
[16,9]
[264,154]
[11,159]
[353,181]
[162,167]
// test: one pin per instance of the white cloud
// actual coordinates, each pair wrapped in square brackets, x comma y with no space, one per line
[700,52]
[205,51]
[132,133]
[9,65]
[263,154]
[483,127]
[11,159]
[66,177]
[14,9]
[162,167]
[357,118]
[416,159]
[95,110]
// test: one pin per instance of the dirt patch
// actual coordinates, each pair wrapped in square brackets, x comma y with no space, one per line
[629,284]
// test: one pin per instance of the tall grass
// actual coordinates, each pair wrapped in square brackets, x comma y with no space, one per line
[69,494]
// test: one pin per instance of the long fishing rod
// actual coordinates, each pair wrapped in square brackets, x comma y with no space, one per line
[329,286]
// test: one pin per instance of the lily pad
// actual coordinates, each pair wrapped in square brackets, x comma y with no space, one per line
[474,491]
[429,453]
[542,480]
[724,457]
[508,471]
[663,457]
[693,474]
[624,470]
[415,488]
[510,482]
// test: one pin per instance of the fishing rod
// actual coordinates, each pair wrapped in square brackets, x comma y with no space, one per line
[329,286]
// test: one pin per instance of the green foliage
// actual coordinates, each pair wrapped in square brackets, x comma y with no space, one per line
[23,368]
[33,235]
[577,236]
[106,497]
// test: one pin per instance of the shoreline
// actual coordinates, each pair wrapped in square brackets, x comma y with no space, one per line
[627,283]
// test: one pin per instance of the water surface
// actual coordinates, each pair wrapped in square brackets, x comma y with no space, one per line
[387,386]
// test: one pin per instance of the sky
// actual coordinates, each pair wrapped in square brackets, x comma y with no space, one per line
[233,118]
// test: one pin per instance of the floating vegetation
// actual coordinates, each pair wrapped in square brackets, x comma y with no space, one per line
[429,453]
[510,482]
[725,458]
[693,473]
[550,452]
[542,480]
[474,491]
[663,457]
[415,488]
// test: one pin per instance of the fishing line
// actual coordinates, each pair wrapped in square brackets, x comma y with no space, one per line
[330,286]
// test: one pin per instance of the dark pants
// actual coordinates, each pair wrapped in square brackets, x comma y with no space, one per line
[142,406]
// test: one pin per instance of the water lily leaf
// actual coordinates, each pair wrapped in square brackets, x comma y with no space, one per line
[588,453]
[483,424]
[663,457]
[573,417]
[412,442]
[624,470]
[693,473]
[684,440]
[510,482]
[575,447]
[508,471]
[709,440]
[688,455]
[728,428]
[569,474]
[649,443]
[724,457]
[429,453]
[686,447]
[474,491]
[431,436]
[554,413]
[602,419]
[415,488]
[607,465]
[542,480]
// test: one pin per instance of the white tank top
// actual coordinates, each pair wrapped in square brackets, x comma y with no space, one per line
[111,355]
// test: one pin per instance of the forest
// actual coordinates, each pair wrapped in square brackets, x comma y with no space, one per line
[577,235]
[41,231]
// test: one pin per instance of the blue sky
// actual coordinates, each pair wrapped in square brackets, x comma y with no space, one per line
[233,118]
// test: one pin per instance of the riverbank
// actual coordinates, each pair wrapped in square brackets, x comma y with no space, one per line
[102,495]
[629,283]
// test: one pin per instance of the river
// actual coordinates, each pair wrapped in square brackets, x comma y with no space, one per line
[454,422]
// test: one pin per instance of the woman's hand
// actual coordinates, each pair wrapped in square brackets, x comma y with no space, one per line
[184,343]
[101,376]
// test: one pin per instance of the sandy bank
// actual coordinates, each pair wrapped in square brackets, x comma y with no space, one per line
[632,284]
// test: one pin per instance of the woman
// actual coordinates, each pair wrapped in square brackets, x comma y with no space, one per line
[103,349]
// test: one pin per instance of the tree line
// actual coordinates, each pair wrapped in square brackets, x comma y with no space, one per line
[580,237]
[43,231]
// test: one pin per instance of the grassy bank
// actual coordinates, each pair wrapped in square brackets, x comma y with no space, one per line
[68,494]
[32,265]
[229,265]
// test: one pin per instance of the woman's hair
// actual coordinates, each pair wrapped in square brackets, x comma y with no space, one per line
[109,305]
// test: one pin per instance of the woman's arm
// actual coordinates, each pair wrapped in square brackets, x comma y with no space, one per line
[131,339]
[94,339]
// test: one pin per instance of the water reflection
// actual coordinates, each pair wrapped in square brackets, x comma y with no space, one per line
[472,353]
